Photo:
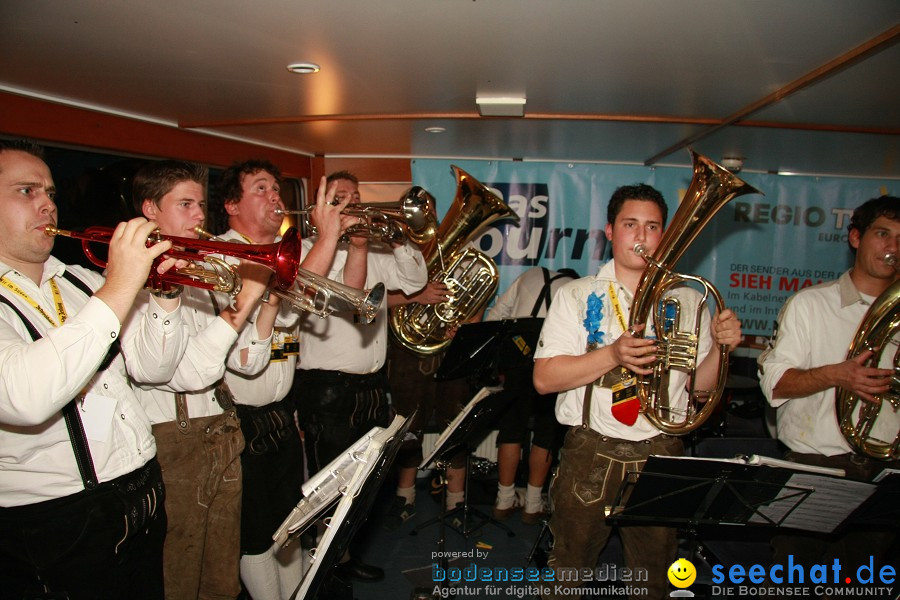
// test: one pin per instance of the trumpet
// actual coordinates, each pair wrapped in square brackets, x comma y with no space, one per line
[319,295]
[412,216]
[282,258]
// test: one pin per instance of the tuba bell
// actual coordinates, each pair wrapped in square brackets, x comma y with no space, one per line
[865,425]
[711,187]
[470,275]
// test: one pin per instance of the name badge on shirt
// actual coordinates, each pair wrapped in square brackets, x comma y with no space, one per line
[625,389]
[284,347]
[97,413]
[616,377]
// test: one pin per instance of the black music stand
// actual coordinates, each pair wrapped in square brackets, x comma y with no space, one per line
[690,492]
[355,503]
[467,427]
[480,349]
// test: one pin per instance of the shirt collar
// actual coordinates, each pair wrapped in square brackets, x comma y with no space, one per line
[849,293]
[53,267]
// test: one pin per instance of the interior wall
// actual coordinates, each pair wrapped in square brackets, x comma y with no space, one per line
[54,123]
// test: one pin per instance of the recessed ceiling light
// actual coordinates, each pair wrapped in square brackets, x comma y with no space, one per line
[435,129]
[303,68]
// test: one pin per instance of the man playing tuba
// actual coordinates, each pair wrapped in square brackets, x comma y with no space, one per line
[607,438]
[806,361]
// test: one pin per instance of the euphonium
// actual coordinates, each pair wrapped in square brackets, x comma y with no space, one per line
[470,275]
[412,216]
[319,295]
[711,187]
[857,418]
[283,258]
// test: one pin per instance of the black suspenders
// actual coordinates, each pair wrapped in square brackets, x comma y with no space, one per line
[70,411]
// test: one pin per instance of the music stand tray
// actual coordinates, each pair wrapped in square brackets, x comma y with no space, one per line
[480,347]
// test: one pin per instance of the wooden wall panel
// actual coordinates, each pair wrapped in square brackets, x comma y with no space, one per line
[51,122]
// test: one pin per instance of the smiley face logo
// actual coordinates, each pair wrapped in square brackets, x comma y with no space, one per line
[682,573]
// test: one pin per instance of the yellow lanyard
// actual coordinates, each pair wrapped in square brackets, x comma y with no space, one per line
[617,308]
[57,299]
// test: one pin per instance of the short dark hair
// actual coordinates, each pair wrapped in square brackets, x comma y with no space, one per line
[22,145]
[342,175]
[640,191]
[230,187]
[156,179]
[866,213]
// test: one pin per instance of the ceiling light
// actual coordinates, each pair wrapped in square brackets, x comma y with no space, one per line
[303,68]
[435,129]
[500,107]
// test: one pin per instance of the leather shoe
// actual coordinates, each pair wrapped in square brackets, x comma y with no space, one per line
[356,569]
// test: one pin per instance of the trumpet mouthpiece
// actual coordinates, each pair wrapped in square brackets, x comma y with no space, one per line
[891,260]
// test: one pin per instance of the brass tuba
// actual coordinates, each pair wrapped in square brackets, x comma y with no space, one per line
[856,417]
[470,275]
[711,187]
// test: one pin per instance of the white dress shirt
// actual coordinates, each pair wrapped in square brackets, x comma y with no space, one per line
[564,333]
[38,379]
[339,342]
[274,382]
[519,298]
[212,344]
[814,328]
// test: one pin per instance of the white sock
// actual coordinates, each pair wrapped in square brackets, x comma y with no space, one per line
[289,562]
[506,496]
[533,501]
[409,494]
[454,498]
[260,575]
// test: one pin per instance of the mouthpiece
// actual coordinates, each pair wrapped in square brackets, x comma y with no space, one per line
[890,259]
[640,250]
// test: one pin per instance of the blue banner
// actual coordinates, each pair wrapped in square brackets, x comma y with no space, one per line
[757,250]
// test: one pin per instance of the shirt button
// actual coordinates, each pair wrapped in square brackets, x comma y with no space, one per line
[105,386]
[112,334]
[166,322]
[155,316]
[123,416]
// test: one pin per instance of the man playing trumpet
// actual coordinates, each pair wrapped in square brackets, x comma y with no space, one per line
[82,498]
[272,460]
[195,424]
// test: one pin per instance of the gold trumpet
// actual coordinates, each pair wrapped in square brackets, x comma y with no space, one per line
[283,258]
[319,295]
[412,216]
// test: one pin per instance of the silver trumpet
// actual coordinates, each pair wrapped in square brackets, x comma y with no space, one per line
[322,296]
[412,216]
